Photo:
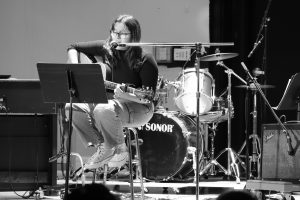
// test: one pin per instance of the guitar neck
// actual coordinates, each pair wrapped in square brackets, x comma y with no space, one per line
[111,86]
[140,93]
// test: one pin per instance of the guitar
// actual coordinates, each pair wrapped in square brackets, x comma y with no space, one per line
[144,95]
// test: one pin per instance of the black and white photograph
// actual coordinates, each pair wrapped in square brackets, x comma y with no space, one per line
[149,100]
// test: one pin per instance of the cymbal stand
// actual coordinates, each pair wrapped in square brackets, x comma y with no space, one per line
[256,148]
[231,155]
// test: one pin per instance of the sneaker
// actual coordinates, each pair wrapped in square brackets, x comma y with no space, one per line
[100,158]
[120,156]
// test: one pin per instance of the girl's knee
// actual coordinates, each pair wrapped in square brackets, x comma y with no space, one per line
[104,110]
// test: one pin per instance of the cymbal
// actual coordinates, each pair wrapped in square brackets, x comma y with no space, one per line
[218,56]
[252,86]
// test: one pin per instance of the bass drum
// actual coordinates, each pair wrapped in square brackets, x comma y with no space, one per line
[167,140]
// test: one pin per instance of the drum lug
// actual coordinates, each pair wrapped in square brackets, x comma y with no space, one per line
[187,133]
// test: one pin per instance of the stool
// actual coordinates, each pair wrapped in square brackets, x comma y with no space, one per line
[131,161]
[137,160]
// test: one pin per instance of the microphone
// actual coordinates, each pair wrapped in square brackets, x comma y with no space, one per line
[249,76]
[114,44]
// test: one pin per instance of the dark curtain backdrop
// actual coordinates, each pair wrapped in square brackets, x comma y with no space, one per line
[239,21]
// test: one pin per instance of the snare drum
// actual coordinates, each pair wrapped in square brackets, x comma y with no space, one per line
[218,113]
[185,94]
[164,150]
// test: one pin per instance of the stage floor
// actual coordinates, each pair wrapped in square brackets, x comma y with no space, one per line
[208,189]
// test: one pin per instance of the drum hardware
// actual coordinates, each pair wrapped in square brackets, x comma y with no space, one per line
[255,159]
[231,156]
[212,163]
[175,84]
[218,113]
[209,158]
[161,94]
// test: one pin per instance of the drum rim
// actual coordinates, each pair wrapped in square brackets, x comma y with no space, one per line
[189,70]
[187,93]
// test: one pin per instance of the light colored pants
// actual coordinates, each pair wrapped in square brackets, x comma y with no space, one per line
[97,123]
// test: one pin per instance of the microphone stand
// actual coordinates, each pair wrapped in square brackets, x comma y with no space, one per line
[284,130]
[255,159]
[263,24]
[197,66]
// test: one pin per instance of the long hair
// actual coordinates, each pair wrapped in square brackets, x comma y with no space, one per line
[133,55]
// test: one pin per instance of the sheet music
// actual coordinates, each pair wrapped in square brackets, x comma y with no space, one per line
[285,91]
[291,95]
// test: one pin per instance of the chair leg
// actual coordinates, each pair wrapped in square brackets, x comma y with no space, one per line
[126,130]
[139,162]
[105,174]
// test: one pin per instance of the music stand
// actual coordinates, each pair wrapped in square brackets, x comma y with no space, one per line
[291,96]
[71,83]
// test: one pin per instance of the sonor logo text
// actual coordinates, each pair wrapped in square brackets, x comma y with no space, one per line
[157,127]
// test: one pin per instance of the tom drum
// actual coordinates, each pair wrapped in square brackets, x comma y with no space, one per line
[185,94]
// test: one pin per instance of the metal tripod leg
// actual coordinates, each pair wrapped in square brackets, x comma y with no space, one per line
[255,157]
[139,173]
[210,165]
[126,130]
[256,149]
[233,164]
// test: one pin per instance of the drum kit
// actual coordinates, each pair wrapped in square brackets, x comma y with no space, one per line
[169,138]
[173,141]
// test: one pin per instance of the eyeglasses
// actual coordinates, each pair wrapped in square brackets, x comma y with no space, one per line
[120,34]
